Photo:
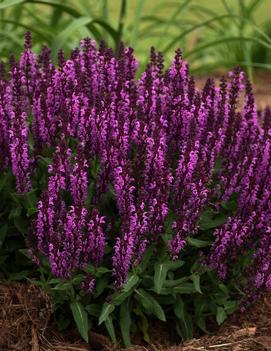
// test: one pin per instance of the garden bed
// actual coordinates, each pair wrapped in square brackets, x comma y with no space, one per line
[26,323]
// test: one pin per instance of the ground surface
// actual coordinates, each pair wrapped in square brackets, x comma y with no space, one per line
[26,324]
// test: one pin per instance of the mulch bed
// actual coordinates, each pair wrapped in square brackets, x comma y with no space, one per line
[26,324]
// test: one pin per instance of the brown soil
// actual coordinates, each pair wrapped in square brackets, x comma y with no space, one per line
[262,89]
[26,324]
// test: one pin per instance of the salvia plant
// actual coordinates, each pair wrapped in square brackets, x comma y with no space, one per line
[138,198]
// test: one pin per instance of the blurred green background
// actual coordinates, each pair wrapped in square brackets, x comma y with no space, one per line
[213,34]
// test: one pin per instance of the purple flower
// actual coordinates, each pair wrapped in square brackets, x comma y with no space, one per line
[88,284]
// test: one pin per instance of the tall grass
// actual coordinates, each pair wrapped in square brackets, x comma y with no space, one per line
[211,38]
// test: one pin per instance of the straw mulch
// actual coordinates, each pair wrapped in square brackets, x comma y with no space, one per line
[26,324]
[25,314]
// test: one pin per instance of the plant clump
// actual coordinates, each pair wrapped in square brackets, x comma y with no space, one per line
[143,186]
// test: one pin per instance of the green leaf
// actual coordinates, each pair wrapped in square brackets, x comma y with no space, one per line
[5,177]
[93,309]
[200,305]
[62,37]
[107,28]
[196,280]
[175,282]
[63,286]
[172,18]
[164,291]
[18,275]
[220,299]
[131,282]
[165,299]
[15,212]
[110,329]
[185,325]
[209,220]
[3,233]
[220,315]
[54,281]
[97,271]
[231,204]
[230,306]
[46,161]
[185,288]
[144,325]
[121,22]
[168,223]
[77,279]
[55,17]
[160,274]
[173,265]
[125,324]
[224,40]
[71,11]
[201,323]
[103,270]
[119,297]
[145,260]
[81,318]
[177,38]
[197,242]
[179,309]
[21,224]
[136,23]
[8,3]
[107,309]
[224,289]
[31,211]
[150,304]
[27,200]
[147,282]
[161,271]
[102,283]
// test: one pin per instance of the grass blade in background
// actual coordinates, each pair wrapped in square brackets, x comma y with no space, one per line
[105,17]
[67,10]
[8,3]
[192,29]
[174,16]
[60,39]
[136,23]
[197,27]
[217,42]
[121,24]
[26,27]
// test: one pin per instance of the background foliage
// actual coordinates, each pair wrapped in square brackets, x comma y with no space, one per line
[212,34]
